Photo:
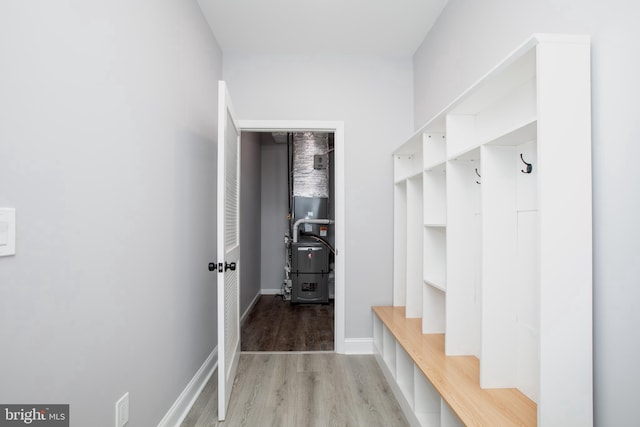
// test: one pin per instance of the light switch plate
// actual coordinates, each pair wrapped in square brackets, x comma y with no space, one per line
[7,231]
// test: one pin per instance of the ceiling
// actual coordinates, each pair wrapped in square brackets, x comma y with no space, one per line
[387,27]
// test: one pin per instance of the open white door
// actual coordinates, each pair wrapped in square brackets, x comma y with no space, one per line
[228,249]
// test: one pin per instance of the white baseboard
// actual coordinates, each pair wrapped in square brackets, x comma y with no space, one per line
[358,346]
[248,310]
[187,398]
[271,291]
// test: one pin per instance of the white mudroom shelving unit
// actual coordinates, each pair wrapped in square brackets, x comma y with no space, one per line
[491,255]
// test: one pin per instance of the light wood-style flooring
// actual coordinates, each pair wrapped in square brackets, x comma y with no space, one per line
[277,325]
[302,389]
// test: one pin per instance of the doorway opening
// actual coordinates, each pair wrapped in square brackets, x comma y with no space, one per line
[292,281]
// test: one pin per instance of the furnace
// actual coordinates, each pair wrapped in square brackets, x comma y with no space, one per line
[309,266]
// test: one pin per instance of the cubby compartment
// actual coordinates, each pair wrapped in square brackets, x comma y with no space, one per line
[400,244]
[461,134]
[414,247]
[407,165]
[427,400]
[404,375]
[434,149]
[377,335]
[435,207]
[497,105]
[447,417]
[407,273]
[433,315]
[517,108]
[435,257]
[464,253]
[510,266]
[389,351]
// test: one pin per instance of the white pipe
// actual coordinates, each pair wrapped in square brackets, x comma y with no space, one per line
[308,221]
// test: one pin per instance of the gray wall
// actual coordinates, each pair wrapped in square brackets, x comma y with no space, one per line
[250,207]
[275,207]
[469,38]
[373,96]
[107,152]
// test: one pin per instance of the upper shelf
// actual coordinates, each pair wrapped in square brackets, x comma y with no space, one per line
[513,75]
[518,67]
[490,91]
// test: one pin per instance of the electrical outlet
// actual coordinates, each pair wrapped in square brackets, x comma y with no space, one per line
[122,410]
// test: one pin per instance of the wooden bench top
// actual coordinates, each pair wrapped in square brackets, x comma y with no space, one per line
[456,378]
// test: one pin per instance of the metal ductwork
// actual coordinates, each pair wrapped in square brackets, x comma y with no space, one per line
[310,164]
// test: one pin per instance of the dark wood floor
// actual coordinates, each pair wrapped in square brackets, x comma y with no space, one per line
[278,325]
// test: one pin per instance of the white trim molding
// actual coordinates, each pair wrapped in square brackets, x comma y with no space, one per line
[337,127]
[182,406]
[358,345]
[271,291]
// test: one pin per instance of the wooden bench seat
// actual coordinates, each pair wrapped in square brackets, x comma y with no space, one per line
[456,378]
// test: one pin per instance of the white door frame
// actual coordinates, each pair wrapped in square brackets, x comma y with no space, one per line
[340,244]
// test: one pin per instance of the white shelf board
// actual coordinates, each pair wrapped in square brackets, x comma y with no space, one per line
[407,165]
[432,225]
[407,177]
[519,134]
[469,154]
[435,283]
[436,166]
[411,146]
